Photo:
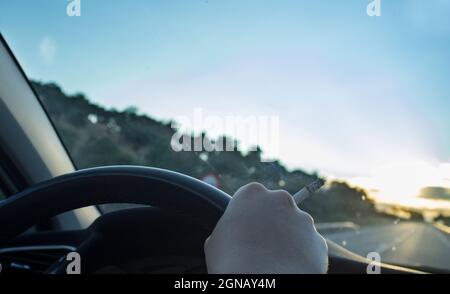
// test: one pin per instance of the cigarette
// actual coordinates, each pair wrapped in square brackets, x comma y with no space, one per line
[308,190]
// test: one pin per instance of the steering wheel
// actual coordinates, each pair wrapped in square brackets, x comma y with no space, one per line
[160,188]
[189,207]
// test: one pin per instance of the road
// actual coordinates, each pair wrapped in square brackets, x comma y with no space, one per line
[410,243]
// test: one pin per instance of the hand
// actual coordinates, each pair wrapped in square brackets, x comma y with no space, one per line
[264,232]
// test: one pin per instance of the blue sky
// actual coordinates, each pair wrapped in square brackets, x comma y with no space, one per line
[353,92]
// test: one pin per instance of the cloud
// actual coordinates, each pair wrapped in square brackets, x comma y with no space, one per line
[47,50]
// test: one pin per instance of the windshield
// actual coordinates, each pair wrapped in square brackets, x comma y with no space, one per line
[279,92]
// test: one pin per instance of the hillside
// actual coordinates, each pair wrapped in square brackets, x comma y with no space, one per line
[97,136]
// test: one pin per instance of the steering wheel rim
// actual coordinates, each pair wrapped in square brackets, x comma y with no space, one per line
[112,184]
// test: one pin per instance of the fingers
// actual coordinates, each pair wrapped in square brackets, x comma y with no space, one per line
[258,221]
[258,192]
[285,197]
[250,190]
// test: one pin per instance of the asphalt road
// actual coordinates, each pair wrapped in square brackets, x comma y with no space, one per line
[410,243]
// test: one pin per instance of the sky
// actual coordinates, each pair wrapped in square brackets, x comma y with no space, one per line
[358,97]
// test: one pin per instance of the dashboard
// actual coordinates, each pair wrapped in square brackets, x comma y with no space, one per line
[144,240]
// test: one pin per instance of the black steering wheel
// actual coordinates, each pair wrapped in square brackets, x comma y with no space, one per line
[160,188]
[176,201]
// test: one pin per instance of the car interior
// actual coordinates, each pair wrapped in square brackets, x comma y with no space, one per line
[51,209]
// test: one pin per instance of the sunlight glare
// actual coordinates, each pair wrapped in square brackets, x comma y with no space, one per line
[401,182]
